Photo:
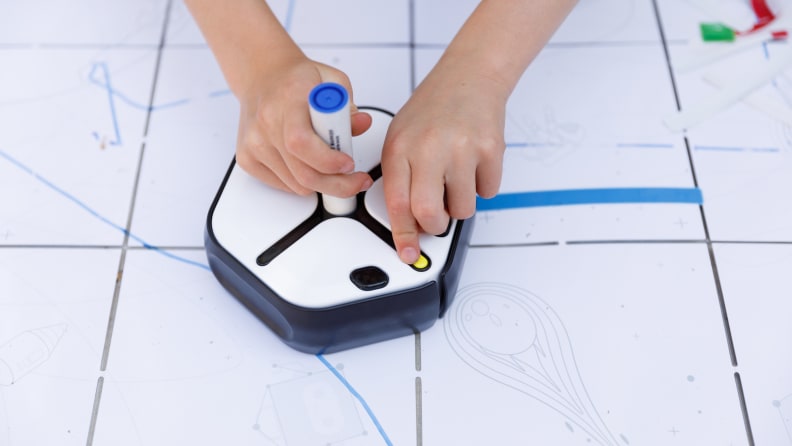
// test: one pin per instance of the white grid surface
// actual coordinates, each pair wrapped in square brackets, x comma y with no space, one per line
[654,323]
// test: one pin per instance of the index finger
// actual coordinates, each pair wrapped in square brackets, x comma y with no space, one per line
[396,177]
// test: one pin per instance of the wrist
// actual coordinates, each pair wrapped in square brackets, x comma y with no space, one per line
[478,72]
[257,70]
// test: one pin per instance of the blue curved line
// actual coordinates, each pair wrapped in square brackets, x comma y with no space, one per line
[124,98]
[355,393]
[187,261]
[97,215]
[110,94]
[223,92]
[591,196]
[644,145]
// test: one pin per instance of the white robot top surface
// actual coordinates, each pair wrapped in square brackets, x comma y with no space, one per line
[316,268]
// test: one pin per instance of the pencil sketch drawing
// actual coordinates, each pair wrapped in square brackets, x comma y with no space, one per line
[511,336]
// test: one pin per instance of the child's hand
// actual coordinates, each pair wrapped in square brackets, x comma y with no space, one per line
[276,142]
[444,146]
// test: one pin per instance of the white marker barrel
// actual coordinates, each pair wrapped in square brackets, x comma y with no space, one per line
[329,109]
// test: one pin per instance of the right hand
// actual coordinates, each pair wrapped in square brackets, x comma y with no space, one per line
[276,142]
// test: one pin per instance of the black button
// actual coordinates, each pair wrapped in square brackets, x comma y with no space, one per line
[369,278]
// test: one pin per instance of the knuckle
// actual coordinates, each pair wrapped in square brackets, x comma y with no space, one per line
[343,187]
[426,214]
[295,142]
[488,185]
[492,147]
[264,115]
[343,79]
[245,158]
[422,211]
[399,204]
[395,145]
[487,192]
[302,191]
[307,178]
[463,211]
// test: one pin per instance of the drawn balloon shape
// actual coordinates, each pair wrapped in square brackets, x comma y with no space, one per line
[515,338]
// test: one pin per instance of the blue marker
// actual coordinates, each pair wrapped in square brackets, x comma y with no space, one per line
[329,110]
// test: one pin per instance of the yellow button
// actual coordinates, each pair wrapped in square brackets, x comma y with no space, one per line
[421,263]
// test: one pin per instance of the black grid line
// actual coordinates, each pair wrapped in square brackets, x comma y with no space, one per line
[413,47]
[744,408]
[710,251]
[125,245]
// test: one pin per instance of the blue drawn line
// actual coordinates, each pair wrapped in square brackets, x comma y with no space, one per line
[590,196]
[170,255]
[531,144]
[627,145]
[110,95]
[124,98]
[217,93]
[354,393]
[97,215]
[644,145]
[737,149]
[113,93]
[720,148]
[287,25]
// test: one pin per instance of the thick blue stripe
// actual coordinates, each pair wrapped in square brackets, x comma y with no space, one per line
[590,196]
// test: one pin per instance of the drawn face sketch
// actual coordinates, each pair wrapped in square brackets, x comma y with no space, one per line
[314,409]
[515,338]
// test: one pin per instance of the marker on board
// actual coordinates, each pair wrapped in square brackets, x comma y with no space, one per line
[329,109]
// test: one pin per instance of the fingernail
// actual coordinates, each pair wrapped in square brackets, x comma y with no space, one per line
[366,185]
[408,255]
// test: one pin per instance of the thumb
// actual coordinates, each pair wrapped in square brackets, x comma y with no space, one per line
[361,121]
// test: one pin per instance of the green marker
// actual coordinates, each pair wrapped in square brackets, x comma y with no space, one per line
[716,32]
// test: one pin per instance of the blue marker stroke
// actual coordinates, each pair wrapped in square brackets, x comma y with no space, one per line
[104,83]
[644,145]
[621,145]
[110,97]
[524,145]
[184,260]
[736,149]
[97,215]
[100,76]
[355,393]
[590,196]
[216,93]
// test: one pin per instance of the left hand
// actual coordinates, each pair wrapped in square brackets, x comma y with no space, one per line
[443,147]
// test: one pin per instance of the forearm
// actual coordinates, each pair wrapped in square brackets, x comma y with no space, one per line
[245,37]
[501,38]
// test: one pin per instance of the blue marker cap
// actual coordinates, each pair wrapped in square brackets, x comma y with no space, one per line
[328,97]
